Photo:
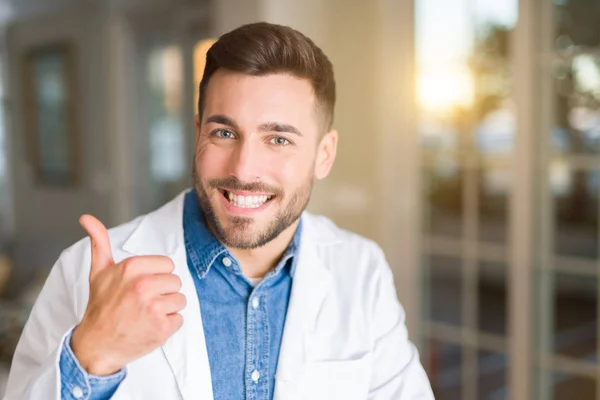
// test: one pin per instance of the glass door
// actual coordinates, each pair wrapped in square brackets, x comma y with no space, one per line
[467,130]
[568,269]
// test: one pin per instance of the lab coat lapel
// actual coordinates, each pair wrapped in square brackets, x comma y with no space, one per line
[161,233]
[311,283]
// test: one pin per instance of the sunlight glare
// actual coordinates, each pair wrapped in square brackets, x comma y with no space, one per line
[444,90]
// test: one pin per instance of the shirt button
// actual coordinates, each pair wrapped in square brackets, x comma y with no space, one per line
[255,375]
[227,261]
[77,392]
[255,302]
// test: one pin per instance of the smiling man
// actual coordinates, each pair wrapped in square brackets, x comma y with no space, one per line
[231,290]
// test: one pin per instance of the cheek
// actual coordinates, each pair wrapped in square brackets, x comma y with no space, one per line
[211,160]
[291,171]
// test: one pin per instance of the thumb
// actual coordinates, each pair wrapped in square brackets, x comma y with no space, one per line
[101,252]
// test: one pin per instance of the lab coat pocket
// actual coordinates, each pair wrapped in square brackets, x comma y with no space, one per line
[333,380]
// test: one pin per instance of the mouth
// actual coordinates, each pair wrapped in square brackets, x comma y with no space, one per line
[246,200]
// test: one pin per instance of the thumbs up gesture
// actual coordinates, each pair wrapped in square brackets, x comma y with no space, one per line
[133,306]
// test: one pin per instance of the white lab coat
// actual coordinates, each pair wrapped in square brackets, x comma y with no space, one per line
[344,335]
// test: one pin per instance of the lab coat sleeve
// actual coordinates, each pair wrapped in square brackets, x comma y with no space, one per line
[397,371]
[35,371]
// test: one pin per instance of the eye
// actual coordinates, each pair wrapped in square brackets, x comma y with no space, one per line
[279,141]
[222,133]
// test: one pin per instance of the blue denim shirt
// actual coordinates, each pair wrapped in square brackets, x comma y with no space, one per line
[243,324]
[77,384]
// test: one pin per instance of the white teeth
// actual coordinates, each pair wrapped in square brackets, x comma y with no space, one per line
[246,201]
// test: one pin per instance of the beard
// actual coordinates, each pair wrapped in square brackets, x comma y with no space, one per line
[237,231]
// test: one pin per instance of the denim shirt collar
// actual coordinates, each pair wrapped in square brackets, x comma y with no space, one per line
[204,248]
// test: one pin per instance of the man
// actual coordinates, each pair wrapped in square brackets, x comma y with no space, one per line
[230,291]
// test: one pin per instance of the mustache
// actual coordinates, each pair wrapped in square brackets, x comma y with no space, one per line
[232,183]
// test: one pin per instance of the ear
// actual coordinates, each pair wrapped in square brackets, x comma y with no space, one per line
[326,154]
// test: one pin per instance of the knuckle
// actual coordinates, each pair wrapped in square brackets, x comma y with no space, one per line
[140,286]
[153,308]
[128,267]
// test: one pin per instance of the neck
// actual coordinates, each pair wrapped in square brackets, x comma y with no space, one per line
[255,263]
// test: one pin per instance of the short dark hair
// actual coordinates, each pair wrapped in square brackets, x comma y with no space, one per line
[262,49]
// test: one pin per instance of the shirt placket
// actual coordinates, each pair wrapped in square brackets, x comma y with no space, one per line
[258,346]
[264,338]
[252,368]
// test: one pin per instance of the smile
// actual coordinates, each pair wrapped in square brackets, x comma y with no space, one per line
[246,201]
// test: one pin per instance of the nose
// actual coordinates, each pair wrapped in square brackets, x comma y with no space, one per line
[246,163]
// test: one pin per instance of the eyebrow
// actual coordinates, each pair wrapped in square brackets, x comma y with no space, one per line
[278,127]
[266,127]
[221,119]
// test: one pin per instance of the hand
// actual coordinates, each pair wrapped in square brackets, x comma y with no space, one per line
[133,306]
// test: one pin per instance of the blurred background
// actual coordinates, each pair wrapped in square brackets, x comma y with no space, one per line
[469,149]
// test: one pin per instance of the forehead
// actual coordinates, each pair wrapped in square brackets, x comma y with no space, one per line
[258,99]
